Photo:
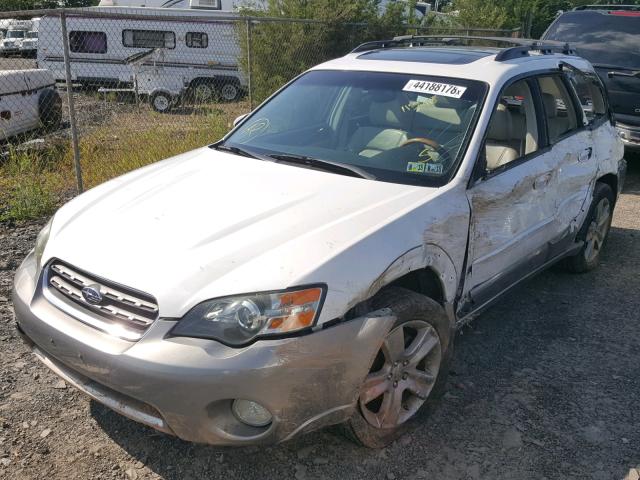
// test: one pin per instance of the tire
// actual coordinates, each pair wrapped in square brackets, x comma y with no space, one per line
[161,102]
[229,91]
[594,231]
[412,382]
[203,91]
[50,110]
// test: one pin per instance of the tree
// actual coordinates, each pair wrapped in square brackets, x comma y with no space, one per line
[280,51]
[15,5]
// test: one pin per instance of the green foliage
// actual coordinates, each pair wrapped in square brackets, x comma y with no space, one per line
[34,182]
[28,185]
[280,51]
[13,5]
[479,13]
[533,16]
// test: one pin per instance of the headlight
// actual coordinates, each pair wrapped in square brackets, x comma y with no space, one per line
[41,242]
[240,319]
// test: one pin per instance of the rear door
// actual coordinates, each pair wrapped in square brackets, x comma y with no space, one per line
[571,144]
[514,202]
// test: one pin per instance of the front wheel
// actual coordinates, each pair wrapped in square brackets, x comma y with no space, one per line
[594,231]
[408,371]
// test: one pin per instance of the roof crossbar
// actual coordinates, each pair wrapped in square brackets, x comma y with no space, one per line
[520,47]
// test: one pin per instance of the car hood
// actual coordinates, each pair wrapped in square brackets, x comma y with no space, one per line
[207,224]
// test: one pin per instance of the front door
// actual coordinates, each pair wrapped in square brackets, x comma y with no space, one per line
[513,205]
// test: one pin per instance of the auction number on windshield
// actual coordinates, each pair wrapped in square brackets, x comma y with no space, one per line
[435,88]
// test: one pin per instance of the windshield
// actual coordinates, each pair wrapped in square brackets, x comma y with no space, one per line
[399,128]
[601,38]
[15,34]
[32,34]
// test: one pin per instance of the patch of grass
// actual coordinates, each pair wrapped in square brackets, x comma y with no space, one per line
[141,139]
[33,183]
[30,183]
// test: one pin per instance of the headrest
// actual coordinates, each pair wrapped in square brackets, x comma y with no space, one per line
[386,114]
[550,105]
[500,124]
[448,102]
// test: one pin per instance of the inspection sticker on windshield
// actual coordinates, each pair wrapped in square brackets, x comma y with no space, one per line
[435,88]
[422,167]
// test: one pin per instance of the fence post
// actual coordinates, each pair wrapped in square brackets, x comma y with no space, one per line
[249,64]
[72,110]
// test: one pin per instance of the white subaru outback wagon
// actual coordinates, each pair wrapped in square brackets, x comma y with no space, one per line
[311,268]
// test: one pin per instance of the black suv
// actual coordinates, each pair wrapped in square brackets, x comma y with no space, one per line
[609,37]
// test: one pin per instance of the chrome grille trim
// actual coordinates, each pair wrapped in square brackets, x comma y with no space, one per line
[121,307]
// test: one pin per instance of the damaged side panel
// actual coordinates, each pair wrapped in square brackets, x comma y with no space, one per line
[432,235]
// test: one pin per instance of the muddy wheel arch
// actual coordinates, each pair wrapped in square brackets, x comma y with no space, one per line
[425,257]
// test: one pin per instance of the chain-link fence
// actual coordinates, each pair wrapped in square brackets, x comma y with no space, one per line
[86,95]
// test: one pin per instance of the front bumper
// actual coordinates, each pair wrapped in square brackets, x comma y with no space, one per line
[9,50]
[185,386]
[630,136]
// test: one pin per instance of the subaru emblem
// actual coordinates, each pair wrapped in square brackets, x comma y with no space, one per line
[92,294]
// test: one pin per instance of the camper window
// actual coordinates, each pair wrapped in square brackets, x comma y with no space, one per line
[197,40]
[88,42]
[148,39]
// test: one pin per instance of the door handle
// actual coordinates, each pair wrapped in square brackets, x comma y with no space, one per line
[542,181]
[585,154]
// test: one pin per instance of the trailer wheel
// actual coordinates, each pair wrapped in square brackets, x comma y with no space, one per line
[229,91]
[50,109]
[161,102]
[203,91]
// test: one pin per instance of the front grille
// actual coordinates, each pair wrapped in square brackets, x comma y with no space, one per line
[119,305]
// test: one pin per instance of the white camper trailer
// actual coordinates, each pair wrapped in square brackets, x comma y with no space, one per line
[162,53]
[28,100]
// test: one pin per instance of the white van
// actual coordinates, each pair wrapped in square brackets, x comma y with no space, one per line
[29,45]
[165,56]
[16,32]
[28,100]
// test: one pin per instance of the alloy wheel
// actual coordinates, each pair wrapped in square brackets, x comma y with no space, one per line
[402,376]
[597,231]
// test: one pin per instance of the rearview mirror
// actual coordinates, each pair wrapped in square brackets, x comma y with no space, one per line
[239,119]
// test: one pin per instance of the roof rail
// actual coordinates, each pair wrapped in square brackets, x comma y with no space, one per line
[618,8]
[543,48]
[521,48]
[428,40]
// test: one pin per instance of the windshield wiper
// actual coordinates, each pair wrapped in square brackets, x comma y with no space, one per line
[241,151]
[326,165]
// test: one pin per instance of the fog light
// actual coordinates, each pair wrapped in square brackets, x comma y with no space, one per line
[251,413]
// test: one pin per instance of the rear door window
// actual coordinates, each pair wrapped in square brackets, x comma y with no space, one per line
[560,113]
[589,92]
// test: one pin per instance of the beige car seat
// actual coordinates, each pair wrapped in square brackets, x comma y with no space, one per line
[499,146]
[384,132]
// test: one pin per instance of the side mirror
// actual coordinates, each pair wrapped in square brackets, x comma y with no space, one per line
[239,119]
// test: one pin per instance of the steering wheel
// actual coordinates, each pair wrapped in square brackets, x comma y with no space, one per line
[443,154]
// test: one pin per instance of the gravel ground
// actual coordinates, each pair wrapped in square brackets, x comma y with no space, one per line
[546,384]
